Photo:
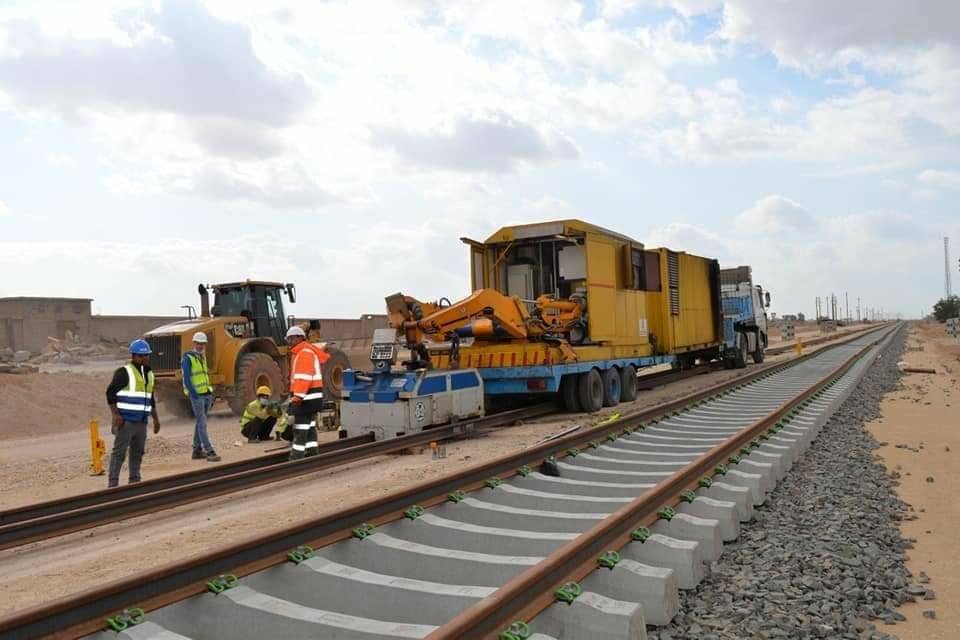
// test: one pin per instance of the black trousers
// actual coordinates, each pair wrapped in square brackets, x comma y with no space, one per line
[259,429]
[305,429]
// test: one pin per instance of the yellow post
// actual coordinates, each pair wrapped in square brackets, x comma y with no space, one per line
[799,347]
[97,450]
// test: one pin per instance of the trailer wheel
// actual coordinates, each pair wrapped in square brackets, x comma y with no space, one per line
[740,358]
[758,354]
[570,393]
[590,386]
[628,383]
[611,386]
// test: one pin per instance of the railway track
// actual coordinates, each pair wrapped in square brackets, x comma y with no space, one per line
[35,522]
[52,518]
[639,505]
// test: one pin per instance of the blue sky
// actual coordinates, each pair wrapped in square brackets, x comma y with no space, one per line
[346,146]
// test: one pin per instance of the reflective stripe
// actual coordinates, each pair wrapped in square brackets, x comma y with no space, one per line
[133,394]
[313,444]
[299,447]
[302,427]
[313,396]
[306,376]
[126,406]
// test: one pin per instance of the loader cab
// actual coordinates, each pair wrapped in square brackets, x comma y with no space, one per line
[261,303]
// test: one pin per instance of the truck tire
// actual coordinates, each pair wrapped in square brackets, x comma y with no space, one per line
[590,387]
[333,373]
[740,356]
[253,370]
[757,355]
[611,386]
[569,392]
[628,383]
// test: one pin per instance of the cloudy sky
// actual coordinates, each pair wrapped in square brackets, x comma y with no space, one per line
[346,146]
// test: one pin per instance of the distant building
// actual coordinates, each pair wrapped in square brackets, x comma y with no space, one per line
[26,323]
[801,317]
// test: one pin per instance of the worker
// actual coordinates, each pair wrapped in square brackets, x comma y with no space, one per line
[306,391]
[197,387]
[131,402]
[261,415]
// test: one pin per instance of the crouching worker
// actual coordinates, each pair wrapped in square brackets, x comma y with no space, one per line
[261,416]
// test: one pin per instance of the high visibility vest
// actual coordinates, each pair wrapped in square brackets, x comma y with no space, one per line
[135,402]
[255,410]
[306,371]
[199,375]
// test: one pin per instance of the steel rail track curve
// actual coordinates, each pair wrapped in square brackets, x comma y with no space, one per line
[84,613]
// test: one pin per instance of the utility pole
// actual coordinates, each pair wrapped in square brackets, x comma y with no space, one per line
[946,267]
[846,297]
[858,308]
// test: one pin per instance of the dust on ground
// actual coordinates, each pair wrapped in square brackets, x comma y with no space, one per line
[53,466]
[920,436]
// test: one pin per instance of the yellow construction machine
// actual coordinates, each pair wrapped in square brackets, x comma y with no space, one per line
[246,348]
[487,315]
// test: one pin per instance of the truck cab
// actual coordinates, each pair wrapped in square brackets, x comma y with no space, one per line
[744,317]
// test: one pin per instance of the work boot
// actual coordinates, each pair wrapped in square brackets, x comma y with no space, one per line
[198,454]
[252,440]
[213,457]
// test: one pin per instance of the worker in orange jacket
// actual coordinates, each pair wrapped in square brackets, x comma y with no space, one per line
[306,391]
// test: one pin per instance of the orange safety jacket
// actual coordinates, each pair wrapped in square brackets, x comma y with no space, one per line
[306,371]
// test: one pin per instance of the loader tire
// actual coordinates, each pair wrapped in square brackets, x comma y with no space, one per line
[333,373]
[253,370]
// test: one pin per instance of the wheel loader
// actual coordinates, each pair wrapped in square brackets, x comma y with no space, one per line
[246,346]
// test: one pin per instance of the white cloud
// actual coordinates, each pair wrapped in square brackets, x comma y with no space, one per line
[775,214]
[940,179]
[61,160]
[548,205]
[4,210]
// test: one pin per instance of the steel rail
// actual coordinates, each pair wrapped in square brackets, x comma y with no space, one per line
[812,342]
[173,493]
[531,592]
[82,613]
[80,501]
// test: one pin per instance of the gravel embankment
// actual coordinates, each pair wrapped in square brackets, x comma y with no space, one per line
[824,558]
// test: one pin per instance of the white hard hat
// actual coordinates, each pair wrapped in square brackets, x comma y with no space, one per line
[296,331]
[200,337]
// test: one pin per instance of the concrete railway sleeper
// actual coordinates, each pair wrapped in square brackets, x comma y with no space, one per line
[503,550]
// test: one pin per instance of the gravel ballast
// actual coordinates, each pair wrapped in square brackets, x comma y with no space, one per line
[824,557]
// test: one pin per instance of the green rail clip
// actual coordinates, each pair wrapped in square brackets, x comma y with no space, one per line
[688,496]
[734,459]
[568,592]
[363,531]
[667,513]
[627,432]
[612,437]
[126,618]
[493,483]
[745,451]
[413,512]
[705,482]
[721,470]
[222,583]
[766,435]
[523,471]
[456,496]
[609,559]
[573,452]
[754,444]
[641,427]
[640,534]
[594,444]
[519,630]
[300,554]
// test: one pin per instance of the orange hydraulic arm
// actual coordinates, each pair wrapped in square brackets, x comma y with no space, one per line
[485,313]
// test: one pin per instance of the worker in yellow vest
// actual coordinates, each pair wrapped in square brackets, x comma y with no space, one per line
[197,387]
[131,402]
[260,417]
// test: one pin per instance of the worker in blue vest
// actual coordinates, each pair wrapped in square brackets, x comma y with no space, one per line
[197,387]
[131,402]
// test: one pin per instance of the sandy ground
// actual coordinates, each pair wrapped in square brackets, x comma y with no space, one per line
[46,467]
[921,426]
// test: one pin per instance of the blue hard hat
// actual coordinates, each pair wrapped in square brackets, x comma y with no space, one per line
[140,347]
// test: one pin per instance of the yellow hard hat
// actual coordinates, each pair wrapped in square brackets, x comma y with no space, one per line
[264,391]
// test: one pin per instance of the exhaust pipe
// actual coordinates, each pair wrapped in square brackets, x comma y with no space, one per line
[204,301]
